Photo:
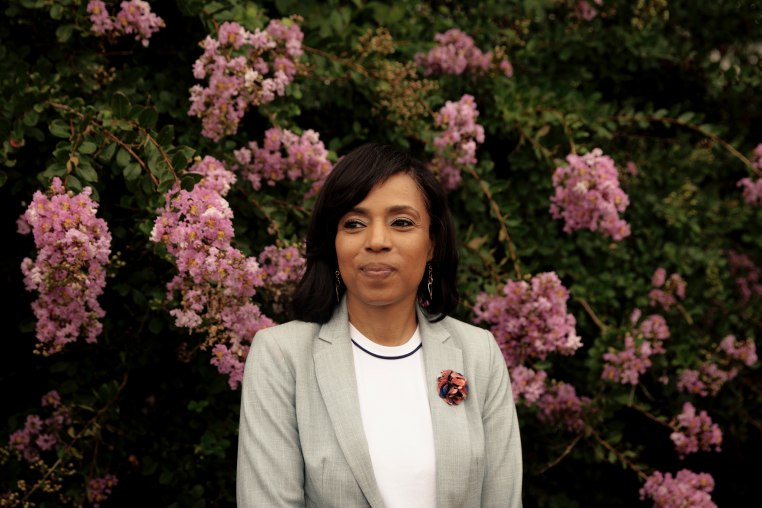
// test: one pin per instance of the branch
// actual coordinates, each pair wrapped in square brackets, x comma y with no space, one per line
[501,220]
[697,128]
[79,434]
[566,452]
[616,452]
[592,314]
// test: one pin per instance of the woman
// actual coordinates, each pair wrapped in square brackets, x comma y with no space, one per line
[374,397]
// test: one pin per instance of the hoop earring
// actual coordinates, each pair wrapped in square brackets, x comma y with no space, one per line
[337,285]
[430,283]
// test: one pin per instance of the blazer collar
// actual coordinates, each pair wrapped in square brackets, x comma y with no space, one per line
[335,372]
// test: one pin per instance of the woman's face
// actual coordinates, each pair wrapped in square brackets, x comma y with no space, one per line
[383,244]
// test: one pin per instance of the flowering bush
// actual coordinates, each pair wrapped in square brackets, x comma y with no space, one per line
[168,188]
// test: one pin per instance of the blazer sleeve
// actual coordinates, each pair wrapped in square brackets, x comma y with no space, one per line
[503,474]
[270,469]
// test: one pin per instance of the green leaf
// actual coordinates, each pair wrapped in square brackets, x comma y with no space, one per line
[179,161]
[56,11]
[108,152]
[86,172]
[73,183]
[87,148]
[131,171]
[166,135]
[59,129]
[120,105]
[63,32]
[148,118]
[3,178]
[123,157]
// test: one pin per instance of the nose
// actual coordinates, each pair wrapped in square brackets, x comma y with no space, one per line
[378,238]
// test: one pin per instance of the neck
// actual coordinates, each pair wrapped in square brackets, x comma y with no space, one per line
[387,325]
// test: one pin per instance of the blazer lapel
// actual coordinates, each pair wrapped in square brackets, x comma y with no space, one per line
[451,440]
[335,372]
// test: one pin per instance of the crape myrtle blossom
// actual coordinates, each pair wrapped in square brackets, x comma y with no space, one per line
[713,374]
[588,195]
[134,17]
[456,53]
[529,319]
[455,146]
[73,248]
[560,405]
[695,432]
[528,384]
[752,189]
[284,154]
[40,435]
[99,489]
[627,365]
[685,489]
[748,275]
[216,281]
[243,69]
[665,291]
[586,12]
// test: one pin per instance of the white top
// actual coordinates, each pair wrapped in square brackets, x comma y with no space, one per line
[395,412]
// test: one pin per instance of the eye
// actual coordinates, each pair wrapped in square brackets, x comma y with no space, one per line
[403,222]
[352,224]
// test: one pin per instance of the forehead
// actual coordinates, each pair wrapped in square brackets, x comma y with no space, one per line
[398,190]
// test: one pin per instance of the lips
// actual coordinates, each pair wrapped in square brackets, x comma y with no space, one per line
[377,270]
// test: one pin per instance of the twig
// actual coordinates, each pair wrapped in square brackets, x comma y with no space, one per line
[501,219]
[697,128]
[592,314]
[616,452]
[566,452]
[76,438]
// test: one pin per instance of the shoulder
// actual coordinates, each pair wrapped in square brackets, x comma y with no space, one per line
[293,336]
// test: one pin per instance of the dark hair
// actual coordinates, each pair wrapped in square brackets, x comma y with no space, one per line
[354,176]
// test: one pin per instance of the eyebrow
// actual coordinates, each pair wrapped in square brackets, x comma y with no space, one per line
[391,209]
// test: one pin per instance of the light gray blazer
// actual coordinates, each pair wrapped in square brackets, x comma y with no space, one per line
[301,439]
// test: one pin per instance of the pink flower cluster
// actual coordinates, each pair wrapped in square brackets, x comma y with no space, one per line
[243,69]
[456,53]
[527,383]
[73,247]
[586,12]
[560,404]
[529,319]
[135,17]
[456,146]
[626,366]
[752,189]
[684,489]
[215,281]
[588,195]
[281,265]
[748,275]
[665,291]
[695,432]
[710,377]
[285,154]
[99,489]
[40,435]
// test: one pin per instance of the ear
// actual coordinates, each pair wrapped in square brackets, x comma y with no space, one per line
[430,254]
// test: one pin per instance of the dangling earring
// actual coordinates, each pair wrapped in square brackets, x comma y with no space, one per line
[431,282]
[338,285]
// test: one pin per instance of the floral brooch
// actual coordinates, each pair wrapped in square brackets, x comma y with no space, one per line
[452,387]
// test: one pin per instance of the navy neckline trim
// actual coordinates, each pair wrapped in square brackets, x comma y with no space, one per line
[387,357]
